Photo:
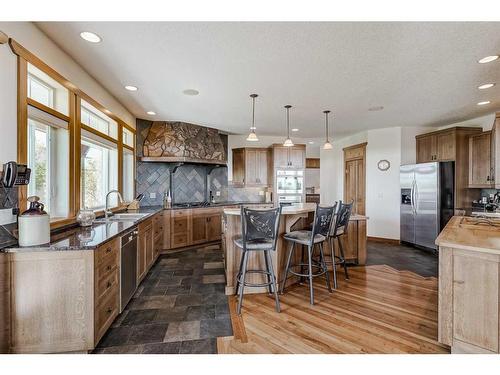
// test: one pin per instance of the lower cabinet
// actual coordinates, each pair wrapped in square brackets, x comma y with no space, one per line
[149,230]
[354,243]
[4,303]
[193,227]
[469,302]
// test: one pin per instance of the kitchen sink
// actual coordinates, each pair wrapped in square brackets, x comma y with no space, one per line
[122,217]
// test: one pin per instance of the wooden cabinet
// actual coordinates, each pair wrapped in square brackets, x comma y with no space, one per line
[199,232]
[354,244]
[214,226]
[145,256]
[480,165]
[251,167]
[355,177]
[194,226]
[106,287]
[312,163]
[4,303]
[450,144]
[469,300]
[495,152]
[180,232]
[289,157]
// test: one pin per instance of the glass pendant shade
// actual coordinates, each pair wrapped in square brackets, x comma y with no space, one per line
[288,142]
[327,145]
[252,137]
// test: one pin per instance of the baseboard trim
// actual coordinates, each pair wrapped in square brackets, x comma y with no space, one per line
[383,240]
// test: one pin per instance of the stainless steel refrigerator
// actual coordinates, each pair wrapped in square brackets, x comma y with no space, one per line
[427,201]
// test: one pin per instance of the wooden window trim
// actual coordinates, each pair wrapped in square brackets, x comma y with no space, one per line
[74,126]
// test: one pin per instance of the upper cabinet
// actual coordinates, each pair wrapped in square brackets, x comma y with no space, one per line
[437,146]
[495,151]
[251,167]
[451,144]
[289,157]
[480,166]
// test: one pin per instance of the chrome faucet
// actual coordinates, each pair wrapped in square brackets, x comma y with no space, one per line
[107,212]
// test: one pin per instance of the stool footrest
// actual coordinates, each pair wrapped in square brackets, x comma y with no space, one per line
[322,272]
[252,285]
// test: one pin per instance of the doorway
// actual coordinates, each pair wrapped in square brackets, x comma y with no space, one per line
[355,177]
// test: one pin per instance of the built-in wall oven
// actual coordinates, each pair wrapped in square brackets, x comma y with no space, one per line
[290,186]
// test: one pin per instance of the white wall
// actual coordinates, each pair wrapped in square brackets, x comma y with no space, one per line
[237,140]
[382,187]
[28,35]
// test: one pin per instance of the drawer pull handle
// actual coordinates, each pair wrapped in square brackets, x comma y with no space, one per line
[108,268]
[109,285]
[108,250]
[109,310]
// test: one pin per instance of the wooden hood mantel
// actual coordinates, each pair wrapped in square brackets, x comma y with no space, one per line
[167,141]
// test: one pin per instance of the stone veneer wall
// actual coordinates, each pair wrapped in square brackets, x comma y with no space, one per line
[8,197]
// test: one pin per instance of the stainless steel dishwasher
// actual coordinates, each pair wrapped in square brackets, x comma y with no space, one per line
[128,270]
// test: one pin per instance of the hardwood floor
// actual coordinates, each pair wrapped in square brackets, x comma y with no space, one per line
[379,310]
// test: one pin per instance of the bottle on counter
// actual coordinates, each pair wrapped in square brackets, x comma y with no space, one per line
[167,200]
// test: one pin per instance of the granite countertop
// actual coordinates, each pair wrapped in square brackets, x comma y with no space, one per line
[89,238]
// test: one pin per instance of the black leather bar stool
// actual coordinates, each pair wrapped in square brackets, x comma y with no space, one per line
[339,229]
[259,232]
[321,227]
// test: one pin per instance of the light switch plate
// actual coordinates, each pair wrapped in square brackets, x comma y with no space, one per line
[152,195]
[261,192]
[217,193]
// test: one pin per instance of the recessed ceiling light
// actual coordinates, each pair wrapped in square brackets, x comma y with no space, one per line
[486,86]
[90,37]
[488,59]
[130,88]
[295,130]
[191,92]
[311,142]
[377,108]
[484,103]
[152,113]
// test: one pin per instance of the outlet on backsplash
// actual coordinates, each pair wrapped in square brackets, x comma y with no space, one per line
[152,195]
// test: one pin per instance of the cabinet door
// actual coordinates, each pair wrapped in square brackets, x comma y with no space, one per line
[149,248]
[238,166]
[480,160]
[199,229]
[475,300]
[360,187]
[214,227]
[445,146]
[426,148]
[262,167]
[180,228]
[281,159]
[297,157]
[251,167]
[350,182]
[141,261]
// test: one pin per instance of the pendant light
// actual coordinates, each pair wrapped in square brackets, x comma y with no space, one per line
[288,141]
[252,137]
[327,145]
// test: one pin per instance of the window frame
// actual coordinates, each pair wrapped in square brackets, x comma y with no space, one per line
[75,95]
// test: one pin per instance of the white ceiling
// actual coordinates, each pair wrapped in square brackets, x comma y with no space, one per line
[422,73]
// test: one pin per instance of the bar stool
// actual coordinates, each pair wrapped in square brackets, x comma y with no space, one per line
[323,217]
[259,232]
[339,229]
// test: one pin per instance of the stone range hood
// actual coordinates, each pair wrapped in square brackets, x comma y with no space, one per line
[180,142]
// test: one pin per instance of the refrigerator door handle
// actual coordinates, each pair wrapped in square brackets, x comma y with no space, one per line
[415,193]
[412,197]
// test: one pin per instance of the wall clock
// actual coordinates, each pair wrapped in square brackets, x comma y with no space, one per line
[383,165]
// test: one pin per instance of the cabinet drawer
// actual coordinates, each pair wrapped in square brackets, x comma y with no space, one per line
[180,239]
[107,265]
[109,249]
[105,313]
[106,285]
[180,225]
[179,213]
[144,226]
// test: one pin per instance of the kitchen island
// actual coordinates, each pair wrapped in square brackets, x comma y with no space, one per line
[293,218]
[469,285]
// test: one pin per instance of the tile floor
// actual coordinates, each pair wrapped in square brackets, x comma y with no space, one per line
[179,308]
[403,257]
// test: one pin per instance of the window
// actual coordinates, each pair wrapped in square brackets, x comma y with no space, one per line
[128,137]
[97,120]
[46,90]
[128,175]
[48,147]
[99,174]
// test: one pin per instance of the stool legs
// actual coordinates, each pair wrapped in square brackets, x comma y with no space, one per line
[341,249]
[309,263]
[239,273]
[324,266]
[242,283]
[334,266]
[268,276]
[288,262]
[270,269]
